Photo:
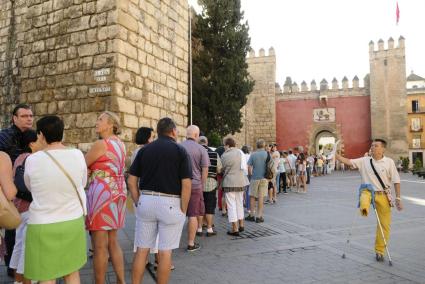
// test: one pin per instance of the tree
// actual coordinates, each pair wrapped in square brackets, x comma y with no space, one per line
[221,81]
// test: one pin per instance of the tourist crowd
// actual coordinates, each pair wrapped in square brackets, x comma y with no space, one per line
[62,193]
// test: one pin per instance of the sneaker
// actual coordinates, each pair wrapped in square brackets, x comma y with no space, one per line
[379,257]
[285,192]
[199,234]
[267,202]
[195,247]
[259,220]
[210,234]
[250,218]
[241,229]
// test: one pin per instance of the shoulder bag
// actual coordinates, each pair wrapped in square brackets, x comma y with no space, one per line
[9,215]
[269,171]
[69,178]
[386,189]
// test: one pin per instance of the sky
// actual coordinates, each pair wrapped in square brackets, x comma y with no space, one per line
[330,38]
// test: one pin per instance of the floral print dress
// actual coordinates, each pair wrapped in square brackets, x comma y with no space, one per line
[107,193]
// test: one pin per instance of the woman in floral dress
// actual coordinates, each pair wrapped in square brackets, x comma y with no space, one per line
[106,198]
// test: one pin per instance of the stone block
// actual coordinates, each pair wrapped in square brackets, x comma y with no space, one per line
[66,107]
[40,108]
[133,66]
[151,112]
[88,49]
[130,121]
[127,21]
[38,46]
[126,49]
[123,105]
[105,5]
[85,120]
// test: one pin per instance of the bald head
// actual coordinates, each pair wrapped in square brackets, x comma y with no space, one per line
[192,131]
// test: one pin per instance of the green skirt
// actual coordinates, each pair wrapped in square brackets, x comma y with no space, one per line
[54,250]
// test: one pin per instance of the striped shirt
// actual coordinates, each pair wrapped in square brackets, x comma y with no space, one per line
[215,166]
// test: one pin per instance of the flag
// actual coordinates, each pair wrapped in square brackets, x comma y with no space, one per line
[397,14]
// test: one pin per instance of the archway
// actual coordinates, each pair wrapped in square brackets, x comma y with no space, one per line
[324,142]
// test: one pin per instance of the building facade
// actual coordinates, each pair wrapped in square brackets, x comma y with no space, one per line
[416,117]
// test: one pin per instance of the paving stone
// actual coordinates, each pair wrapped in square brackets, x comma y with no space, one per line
[301,241]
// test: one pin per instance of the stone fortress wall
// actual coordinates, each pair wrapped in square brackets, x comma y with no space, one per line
[259,113]
[76,58]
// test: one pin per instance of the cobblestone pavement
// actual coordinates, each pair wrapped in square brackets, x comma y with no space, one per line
[301,241]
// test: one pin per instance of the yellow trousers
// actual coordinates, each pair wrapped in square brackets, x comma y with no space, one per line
[384,212]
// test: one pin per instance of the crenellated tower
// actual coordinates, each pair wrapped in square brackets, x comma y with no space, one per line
[388,95]
[259,113]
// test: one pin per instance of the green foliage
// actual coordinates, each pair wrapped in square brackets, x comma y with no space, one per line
[214,140]
[221,81]
[405,163]
[418,165]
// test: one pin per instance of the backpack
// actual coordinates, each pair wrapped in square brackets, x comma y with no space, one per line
[270,171]
[23,192]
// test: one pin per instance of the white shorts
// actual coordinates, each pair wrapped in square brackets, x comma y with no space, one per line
[158,217]
[18,256]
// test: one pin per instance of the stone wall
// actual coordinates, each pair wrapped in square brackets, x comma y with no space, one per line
[259,113]
[76,58]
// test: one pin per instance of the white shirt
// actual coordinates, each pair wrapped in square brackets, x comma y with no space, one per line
[54,197]
[292,161]
[385,168]
[275,157]
[281,167]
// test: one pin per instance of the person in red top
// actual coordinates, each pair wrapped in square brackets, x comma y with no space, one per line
[106,197]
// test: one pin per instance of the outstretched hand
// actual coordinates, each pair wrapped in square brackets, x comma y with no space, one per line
[399,205]
[334,149]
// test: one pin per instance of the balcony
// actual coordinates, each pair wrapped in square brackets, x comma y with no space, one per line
[416,129]
[417,146]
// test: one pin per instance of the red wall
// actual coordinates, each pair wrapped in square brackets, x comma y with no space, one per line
[294,120]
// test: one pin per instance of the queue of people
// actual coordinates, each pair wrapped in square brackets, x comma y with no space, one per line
[75,193]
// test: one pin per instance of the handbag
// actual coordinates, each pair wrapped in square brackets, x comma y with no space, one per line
[9,215]
[69,178]
[386,189]
[23,192]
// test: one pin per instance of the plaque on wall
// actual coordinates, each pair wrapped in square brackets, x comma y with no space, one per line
[324,114]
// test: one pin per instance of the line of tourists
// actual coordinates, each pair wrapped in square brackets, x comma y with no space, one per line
[62,193]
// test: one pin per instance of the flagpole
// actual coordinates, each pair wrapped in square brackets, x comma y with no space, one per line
[190,64]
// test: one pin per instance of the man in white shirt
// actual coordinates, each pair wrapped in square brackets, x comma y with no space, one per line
[387,171]
[292,163]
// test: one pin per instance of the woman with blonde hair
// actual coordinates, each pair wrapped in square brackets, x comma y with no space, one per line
[106,198]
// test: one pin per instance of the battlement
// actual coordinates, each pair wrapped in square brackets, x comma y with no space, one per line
[389,50]
[261,53]
[292,88]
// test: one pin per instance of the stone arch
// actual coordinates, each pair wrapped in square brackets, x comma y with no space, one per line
[318,131]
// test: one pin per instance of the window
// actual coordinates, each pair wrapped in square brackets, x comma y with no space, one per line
[415,106]
[416,142]
[416,124]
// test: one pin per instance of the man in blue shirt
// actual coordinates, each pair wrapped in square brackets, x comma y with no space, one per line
[258,186]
